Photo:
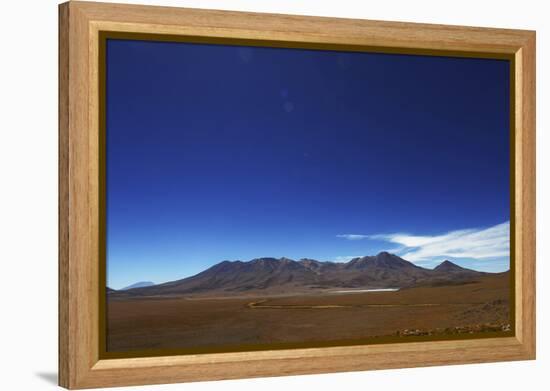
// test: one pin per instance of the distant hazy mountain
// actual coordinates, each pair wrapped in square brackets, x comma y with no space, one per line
[141,284]
[283,275]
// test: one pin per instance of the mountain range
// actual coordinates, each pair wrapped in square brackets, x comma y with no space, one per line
[284,275]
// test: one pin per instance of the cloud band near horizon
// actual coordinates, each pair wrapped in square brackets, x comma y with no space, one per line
[473,243]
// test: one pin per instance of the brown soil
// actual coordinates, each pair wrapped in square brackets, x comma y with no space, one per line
[186,322]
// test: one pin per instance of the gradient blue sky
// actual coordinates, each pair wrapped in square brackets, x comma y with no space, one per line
[223,152]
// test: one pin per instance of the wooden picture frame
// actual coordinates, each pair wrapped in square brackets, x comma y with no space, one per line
[80,198]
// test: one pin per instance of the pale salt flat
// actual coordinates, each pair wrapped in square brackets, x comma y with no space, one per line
[367,290]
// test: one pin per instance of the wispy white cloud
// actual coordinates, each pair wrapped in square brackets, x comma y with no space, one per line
[475,243]
[352,236]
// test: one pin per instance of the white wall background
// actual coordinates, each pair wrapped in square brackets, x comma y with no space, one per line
[28,195]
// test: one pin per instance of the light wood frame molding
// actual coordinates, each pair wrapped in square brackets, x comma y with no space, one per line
[80,365]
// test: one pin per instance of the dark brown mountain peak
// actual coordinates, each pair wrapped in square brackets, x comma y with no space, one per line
[286,260]
[269,265]
[271,261]
[447,266]
[309,262]
[222,266]
[392,261]
[451,268]
[306,260]
[383,260]
[264,260]
[316,266]
[353,262]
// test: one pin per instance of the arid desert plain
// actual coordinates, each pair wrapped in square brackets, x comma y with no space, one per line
[279,301]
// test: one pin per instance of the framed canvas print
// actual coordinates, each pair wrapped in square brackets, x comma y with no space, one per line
[247,195]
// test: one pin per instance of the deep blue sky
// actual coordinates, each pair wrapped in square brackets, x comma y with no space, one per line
[223,152]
